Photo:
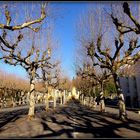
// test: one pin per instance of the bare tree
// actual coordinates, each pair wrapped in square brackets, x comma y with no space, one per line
[111,56]
[88,32]
[14,57]
[30,65]
[112,63]
[96,78]
[13,88]
[50,81]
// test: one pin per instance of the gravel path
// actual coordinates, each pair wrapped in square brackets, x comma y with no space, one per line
[72,120]
[131,114]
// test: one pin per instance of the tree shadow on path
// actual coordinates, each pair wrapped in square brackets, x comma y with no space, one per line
[78,121]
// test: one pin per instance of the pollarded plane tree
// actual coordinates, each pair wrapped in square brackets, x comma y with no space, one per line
[105,58]
[86,84]
[69,88]
[128,28]
[77,82]
[99,75]
[97,79]
[33,61]
[6,88]
[50,81]
[124,29]
[111,62]
[83,82]
[50,78]
[12,87]
[13,56]
[66,84]
[101,78]
[64,87]
[92,24]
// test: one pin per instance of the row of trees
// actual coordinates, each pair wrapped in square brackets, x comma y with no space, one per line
[17,47]
[12,81]
[107,48]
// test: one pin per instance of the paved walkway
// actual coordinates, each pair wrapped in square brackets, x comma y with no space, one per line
[72,120]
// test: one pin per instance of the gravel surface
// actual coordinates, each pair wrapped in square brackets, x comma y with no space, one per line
[72,120]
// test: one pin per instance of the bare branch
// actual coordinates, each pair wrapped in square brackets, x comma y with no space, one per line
[128,12]
[8,17]
[24,25]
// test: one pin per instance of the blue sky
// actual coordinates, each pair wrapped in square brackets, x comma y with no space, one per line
[65,31]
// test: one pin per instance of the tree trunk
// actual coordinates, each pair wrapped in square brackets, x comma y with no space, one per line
[13,102]
[31,112]
[89,101]
[84,102]
[102,103]
[82,99]
[46,96]
[4,102]
[79,97]
[94,98]
[61,99]
[121,102]
[94,103]
[46,102]
[23,100]
[54,98]
[64,97]
[19,102]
